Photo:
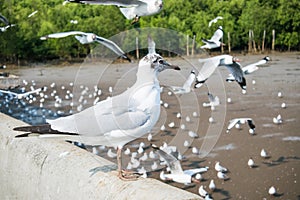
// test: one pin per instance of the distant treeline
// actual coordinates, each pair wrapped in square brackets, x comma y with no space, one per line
[189,17]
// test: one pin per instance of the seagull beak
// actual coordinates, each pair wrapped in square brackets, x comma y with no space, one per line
[169,66]
[235,59]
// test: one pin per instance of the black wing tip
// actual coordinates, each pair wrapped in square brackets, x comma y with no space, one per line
[155,147]
[127,58]
[243,83]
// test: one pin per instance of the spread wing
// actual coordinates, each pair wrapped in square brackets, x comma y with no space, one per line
[112,46]
[109,2]
[172,162]
[232,123]
[62,34]
[191,172]
[217,35]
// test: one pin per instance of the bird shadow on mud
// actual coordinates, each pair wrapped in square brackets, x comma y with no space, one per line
[280,160]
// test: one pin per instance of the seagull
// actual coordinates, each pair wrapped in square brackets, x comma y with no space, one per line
[214,41]
[210,65]
[220,168]
[186,88]
[202,192]
[177,174]
[86,38]
[222,176]
[264,154]
[22,95]
[131,9]
[272,190]
[235,121]
[4,28]
[213,101]
[277,120]
[115,121]
[212,185]
[251,163]
[214,20]
[249,68]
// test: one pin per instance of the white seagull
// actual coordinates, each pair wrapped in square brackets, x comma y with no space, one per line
[22,95]
[210,65]
[4,28]
[86,38]
[214,20]
[214,41]
[186,88]
[235,121]
[118,120]
[250,68]
[131,9]
[220,168]
[177,174]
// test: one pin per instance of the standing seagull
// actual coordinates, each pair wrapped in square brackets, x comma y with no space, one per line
[131,9]
[186,88]
[250,68]
[177,174]
[214,41]
[214,20]
[210,65]
[86,38]
[118,120]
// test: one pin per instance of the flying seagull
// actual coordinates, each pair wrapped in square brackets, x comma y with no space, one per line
[239,121]
[250,68]
[21,95]
[117,120]
[86,38]
[177,174]
[214,41]
[210,65]
[214,20]
[131,9]
[186,88]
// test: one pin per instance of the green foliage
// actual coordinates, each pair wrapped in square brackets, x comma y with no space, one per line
[187,17]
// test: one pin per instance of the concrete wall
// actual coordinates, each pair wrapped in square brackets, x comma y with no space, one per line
[33,168]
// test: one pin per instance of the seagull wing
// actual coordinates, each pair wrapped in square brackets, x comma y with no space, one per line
[8,92]
[237,73]
[251,124]
[232,123]
[217,35]
[208,68]
[109,2]
[189,81]
[4,20]
[112,46]
[62,34]
[171,161]
[191,172]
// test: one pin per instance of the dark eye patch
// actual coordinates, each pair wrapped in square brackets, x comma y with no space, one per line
[161,61]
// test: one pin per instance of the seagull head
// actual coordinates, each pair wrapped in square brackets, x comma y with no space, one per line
[157,63]
[158,4]
[235,59]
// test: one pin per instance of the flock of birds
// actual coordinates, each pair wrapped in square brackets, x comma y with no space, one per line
[132,114]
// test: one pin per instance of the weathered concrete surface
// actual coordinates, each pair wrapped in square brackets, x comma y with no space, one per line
[33,168]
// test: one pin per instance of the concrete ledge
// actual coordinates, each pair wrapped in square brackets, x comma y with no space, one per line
[32,168]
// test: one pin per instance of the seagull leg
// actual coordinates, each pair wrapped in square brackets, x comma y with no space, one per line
[135,20]
[123,174]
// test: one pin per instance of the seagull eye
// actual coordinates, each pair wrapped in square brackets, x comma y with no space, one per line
[161,62]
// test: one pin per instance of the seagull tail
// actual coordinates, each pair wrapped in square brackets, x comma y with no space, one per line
[39,129]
